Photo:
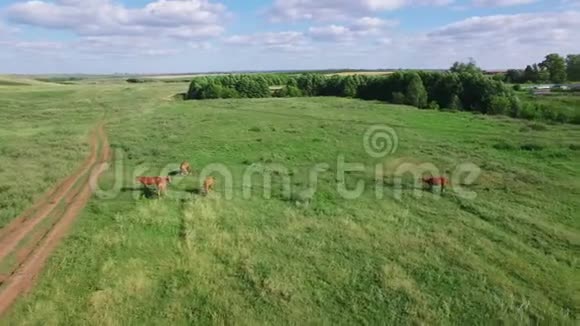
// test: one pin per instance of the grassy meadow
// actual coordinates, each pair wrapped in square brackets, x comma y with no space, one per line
[42,139]
[44,135]
[565,103]
[508,256]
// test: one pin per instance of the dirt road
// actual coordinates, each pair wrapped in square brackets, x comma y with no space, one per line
[31,246]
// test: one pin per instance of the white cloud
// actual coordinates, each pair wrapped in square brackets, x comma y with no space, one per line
[172,18]
[295,40]
[384,41]
[544,28]
[44,46]
[498,41]
[333,33]
[359,28]
[94,46]
[502,3]
[114,45]
[159,52]
[273,40]
[144,36]
[117,46]
[200,45]
[371,23]
[324,10]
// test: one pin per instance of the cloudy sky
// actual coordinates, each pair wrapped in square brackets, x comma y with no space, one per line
[146,36]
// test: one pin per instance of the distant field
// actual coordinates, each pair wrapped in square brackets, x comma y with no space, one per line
[365,73]
[508,256]
[179,76]
[18,81]
[4,82]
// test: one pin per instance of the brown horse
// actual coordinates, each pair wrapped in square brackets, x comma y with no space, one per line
[436,181]
[185,168]
[159,182]
[208,184]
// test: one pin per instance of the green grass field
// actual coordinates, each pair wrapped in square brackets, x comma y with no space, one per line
[43,138]
[44,135]
[510,255]
[566,103]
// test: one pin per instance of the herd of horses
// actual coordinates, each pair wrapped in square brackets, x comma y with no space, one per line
[161,183]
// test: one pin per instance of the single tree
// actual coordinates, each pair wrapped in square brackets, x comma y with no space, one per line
[416,94]
[530,75]
[515,76]
[556,67]
[465,67]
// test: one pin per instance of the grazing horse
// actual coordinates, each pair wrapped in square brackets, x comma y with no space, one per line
[185,168]
[208,185]
[162,186]
[435,181]
[159,182]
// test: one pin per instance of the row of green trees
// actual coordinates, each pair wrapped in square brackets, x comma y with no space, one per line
[235,86]
[466,90]
[554,69]
[469,91]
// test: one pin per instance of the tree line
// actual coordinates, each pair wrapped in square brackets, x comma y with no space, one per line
[553,69]
[463,88]
[235,86]
[426,90]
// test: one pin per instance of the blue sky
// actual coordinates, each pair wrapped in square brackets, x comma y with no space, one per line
[157,36]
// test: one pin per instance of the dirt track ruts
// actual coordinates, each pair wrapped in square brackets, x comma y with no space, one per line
[37,252]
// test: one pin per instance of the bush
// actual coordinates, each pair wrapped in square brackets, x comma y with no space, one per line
[282,92]
[433,106]
[455,103]
[529,112]
[229,93]
[561,117]
[288,91]
[499,105]
[515,107]
[517,87]
[399,98]
[547,113]
[293,91]
[211,91]
[135,81]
